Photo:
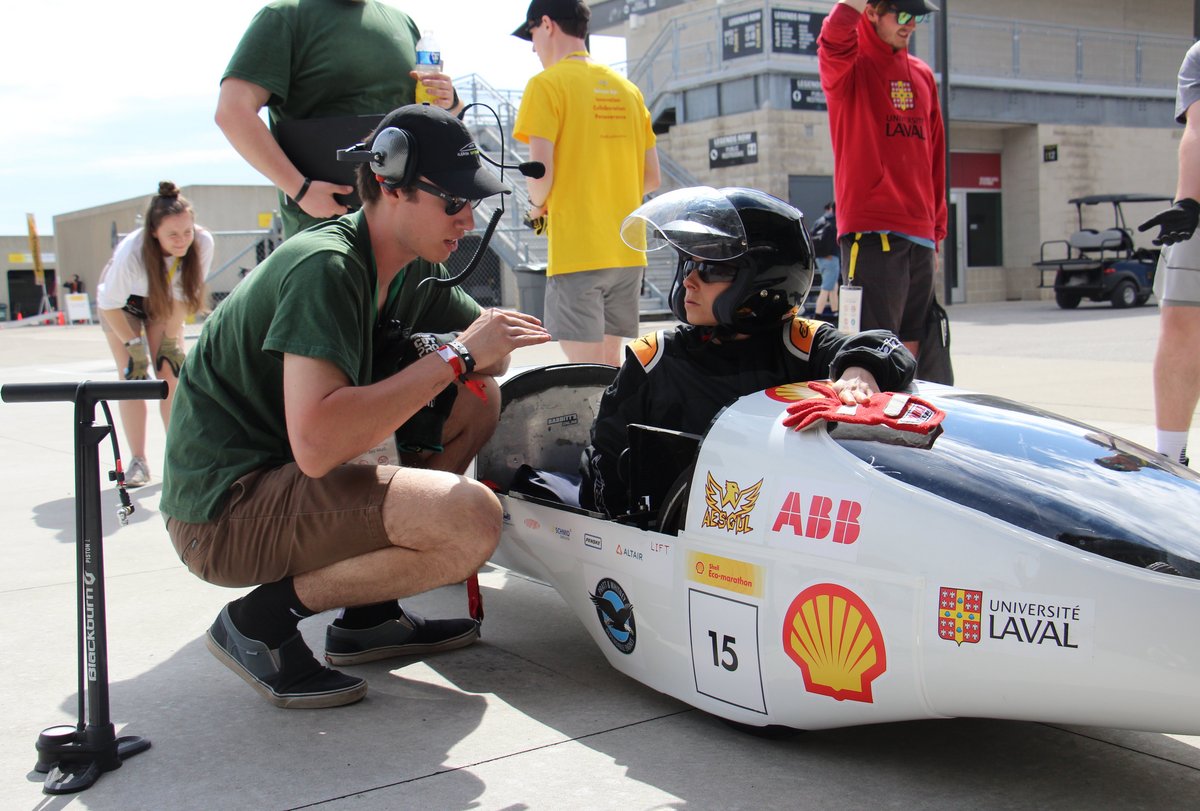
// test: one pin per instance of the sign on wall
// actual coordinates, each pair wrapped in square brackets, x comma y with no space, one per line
[742,34]
[733,150]
[807,94]
[795,32]
[975,170]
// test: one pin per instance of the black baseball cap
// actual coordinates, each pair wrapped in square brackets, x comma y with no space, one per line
[555,10]
[911,6]
[446,152]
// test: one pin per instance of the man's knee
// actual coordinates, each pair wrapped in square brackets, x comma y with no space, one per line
[477,518]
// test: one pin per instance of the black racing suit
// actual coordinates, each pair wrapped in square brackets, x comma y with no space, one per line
[680,379]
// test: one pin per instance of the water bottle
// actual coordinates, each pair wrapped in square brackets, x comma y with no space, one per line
[429,60]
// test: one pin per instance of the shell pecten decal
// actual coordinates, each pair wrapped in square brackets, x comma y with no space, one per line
[791,392]
[832,636]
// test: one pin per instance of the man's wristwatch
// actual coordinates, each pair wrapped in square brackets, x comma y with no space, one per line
[135,341]
[464,354]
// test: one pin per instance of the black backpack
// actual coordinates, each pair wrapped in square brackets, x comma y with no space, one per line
[824,235]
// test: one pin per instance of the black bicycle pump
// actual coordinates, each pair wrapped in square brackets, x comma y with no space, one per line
[73,758]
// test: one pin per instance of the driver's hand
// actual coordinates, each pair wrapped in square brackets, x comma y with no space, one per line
[319,199]
[856,385]
[1176,224]
[496,333]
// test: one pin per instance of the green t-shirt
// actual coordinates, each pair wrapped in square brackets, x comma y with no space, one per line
[314,296]
[325,58]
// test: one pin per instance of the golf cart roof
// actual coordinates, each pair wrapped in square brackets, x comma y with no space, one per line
[1095,199]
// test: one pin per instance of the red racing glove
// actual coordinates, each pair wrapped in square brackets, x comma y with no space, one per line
[903,412]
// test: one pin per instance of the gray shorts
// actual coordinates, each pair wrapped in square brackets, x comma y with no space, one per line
[590,304]
[1177,280]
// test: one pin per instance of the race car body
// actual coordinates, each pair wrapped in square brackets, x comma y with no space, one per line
[1013,564]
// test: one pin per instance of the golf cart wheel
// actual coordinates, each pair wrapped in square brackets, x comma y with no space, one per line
[1067,300]
[1124,295]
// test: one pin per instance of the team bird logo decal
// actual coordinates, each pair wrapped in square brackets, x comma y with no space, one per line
[729,507]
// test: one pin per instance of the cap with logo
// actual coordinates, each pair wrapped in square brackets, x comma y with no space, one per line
[443,151]
[911,6]
[555,10]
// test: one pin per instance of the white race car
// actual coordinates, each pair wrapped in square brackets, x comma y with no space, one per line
[1015,565]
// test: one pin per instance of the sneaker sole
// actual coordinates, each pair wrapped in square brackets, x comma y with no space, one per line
[312,701]
[392,651]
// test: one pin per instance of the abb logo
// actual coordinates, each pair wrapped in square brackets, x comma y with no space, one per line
[821,522]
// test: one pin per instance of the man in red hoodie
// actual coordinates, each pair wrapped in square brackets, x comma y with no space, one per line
[889,159]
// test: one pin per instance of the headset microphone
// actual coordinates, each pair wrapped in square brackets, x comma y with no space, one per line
[534,169]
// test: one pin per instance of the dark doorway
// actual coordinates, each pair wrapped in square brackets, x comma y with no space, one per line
[810,193]
[25,296]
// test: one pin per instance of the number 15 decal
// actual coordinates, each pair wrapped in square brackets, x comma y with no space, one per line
[725,658]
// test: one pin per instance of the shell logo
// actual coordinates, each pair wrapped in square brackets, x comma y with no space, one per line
[832,636]
[791,392]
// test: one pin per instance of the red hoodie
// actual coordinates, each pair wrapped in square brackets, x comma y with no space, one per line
[886,125]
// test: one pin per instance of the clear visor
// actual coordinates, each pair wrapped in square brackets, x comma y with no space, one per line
[697,221]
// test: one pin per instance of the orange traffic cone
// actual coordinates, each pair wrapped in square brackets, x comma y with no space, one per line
[20,315]
[62,319]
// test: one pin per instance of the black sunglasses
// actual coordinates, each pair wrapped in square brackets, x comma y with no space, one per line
[453,204]
[708,271]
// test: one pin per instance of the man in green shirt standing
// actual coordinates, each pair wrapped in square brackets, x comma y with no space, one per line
[318,59]
[280,393]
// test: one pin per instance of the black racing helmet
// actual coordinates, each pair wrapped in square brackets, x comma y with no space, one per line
[760,234]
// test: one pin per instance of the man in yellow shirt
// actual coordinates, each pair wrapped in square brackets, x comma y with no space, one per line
[590,127]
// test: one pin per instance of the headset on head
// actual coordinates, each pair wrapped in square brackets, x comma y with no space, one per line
[392,157]
[394,160]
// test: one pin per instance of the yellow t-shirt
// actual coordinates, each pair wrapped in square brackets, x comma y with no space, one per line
[601,130]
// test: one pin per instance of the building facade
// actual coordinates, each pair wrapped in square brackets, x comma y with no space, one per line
[1046,102]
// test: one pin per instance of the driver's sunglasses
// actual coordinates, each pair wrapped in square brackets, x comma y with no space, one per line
[709,271]
[906,17]
[453,204]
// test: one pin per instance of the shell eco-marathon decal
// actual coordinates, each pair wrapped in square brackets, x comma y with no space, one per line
[1016,622]
[615,613]
[715,571]
[725,654]
[833,637]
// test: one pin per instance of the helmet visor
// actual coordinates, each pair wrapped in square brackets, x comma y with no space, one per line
[698,222]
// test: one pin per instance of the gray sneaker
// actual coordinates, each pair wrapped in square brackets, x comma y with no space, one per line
[138,472]
[408,636]
[288,676]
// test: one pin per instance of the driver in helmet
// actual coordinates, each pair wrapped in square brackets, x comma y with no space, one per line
[745,266]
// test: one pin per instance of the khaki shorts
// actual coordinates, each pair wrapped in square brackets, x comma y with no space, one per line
[278,523]
[1177,280]
[587,305]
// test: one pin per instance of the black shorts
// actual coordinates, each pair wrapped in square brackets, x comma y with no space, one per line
[896,277]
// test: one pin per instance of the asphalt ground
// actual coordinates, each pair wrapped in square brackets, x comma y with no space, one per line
[532,717]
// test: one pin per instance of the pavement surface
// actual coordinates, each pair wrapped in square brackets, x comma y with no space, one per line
[532,717]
